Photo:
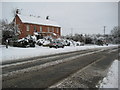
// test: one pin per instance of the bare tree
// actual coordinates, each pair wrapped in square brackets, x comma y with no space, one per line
[116,34]
[9,30]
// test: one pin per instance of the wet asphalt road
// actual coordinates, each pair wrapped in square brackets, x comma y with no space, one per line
[40,61]
[46,77]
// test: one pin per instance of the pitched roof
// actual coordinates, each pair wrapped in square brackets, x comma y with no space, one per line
[39,21]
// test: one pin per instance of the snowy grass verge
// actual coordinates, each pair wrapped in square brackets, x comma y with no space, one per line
[15,53]
[111,80]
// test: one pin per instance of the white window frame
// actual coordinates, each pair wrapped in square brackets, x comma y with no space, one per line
[41,28]
[48,29]
[52,29]
[35,28]
[57,30]
[27,28]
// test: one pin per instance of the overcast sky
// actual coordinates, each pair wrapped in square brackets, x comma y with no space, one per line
[73,17]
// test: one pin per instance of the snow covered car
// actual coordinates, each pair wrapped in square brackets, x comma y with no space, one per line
[40,42]
[56,44]
[43,42]
[46,43]
[66,42]
[78,43]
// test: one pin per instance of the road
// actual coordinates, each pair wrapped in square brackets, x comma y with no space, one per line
[46,71]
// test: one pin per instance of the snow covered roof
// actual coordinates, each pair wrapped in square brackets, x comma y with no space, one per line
[39,21]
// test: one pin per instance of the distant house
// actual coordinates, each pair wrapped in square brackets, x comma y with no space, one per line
[30,25]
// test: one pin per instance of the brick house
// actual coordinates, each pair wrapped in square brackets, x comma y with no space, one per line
[30,25]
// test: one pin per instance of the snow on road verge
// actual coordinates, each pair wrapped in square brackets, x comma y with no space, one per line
[14,53]
[111,80]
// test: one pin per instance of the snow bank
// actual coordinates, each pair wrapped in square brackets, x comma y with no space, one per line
[111,80]
[14,53]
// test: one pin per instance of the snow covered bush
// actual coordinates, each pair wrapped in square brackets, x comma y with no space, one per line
[25,42]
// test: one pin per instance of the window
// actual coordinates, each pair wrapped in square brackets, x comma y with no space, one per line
[48,29]
[35,29]
[27,28]
[57,30]
[52,29]
[40,28]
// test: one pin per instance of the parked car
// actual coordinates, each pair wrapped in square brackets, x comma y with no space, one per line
[56,44]
[46,43]
[78,43]
[40,42]
[66,43]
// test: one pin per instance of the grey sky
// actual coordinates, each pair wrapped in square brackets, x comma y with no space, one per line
[76,17]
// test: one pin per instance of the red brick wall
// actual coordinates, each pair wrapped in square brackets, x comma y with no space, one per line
[24,32]
[21,27]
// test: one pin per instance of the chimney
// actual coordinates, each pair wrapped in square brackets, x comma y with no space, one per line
[17,11]
[47,17]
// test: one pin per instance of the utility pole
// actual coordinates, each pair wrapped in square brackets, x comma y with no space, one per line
[105,41]
[104,30]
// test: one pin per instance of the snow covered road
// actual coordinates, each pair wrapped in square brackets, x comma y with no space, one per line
[92,68]
[89,76]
